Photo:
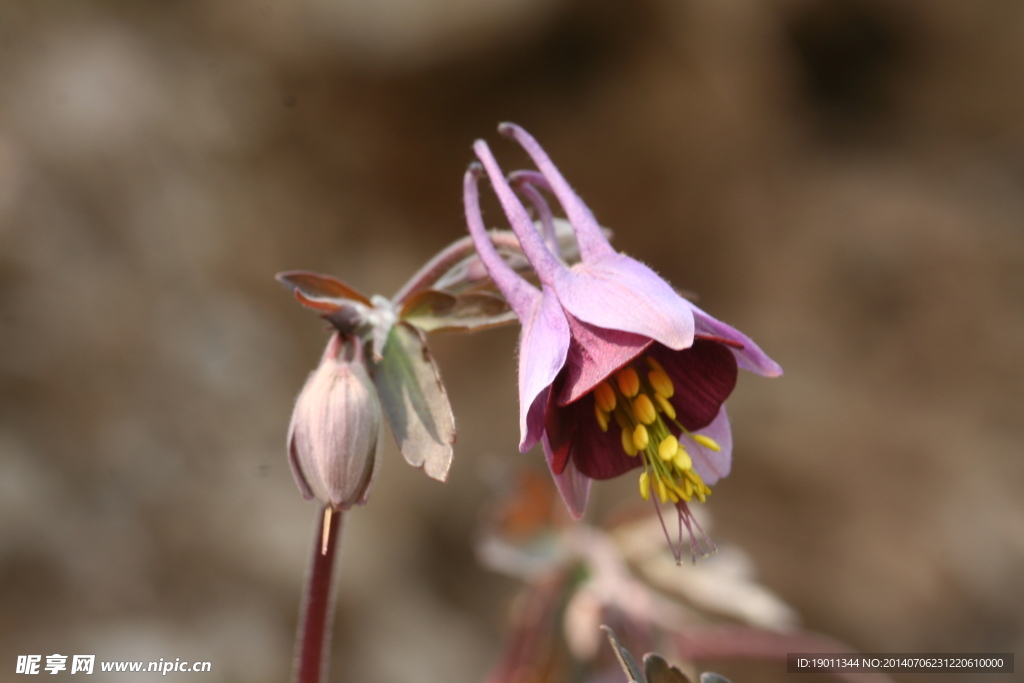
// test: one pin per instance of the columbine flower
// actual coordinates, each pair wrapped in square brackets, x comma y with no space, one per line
[616,370]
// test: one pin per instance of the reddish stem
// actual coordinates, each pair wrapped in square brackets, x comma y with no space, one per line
[442,262]
[312,648]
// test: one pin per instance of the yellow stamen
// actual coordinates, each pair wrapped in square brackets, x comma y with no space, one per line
[659,379]
[687,489]
[668,447]
[655,365]
[681,459]
[645,486]
[602,418]
[679,490]
[629,381]
[707,442]
[605,397]
[622,420]
[627,443]
[665,406]
[643,409]
[640,437]
[662,492]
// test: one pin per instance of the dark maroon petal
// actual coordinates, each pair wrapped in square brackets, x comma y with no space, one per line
[560,428]
[597,454]
[594,354]
[704,375]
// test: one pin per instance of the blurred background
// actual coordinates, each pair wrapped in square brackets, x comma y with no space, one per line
[843,180]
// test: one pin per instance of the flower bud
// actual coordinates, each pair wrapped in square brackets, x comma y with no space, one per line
[332,439]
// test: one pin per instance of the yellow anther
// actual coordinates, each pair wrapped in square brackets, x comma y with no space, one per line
[672,495]
[643,410]
[665,406]
[659,379]
[699,492]
[602,418]
[628,380]
[678,489]
[682,459]
[604,395]
[622,420]
[668,447]
[640,437]
[707,442]
[655,365]
[687,489]
[662,492]
[627,443]
[645,486]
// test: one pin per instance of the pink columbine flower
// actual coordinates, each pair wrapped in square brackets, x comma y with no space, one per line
[617,371]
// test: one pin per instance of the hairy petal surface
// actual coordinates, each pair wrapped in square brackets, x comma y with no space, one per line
[620,293]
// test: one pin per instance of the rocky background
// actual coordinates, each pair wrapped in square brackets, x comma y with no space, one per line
[841,179]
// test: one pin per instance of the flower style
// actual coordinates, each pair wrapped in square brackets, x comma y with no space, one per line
[616,370]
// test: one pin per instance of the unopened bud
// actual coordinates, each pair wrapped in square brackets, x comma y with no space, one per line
[332,439]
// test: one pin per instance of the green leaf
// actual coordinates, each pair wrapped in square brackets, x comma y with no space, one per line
[626,660]
[415,401]
[431,310]
[659,671]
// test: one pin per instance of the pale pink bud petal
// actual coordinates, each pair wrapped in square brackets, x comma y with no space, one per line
[332,439]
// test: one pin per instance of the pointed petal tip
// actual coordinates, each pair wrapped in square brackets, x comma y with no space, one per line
[438,472]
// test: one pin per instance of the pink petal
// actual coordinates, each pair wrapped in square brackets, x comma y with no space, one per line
[520,294]
[543,261]
[543,348]
[709,464]
[572,484]
[591,240]
[594,354]
[619,293]
[750,357]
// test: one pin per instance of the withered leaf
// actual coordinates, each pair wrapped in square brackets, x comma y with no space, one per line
[415,402]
